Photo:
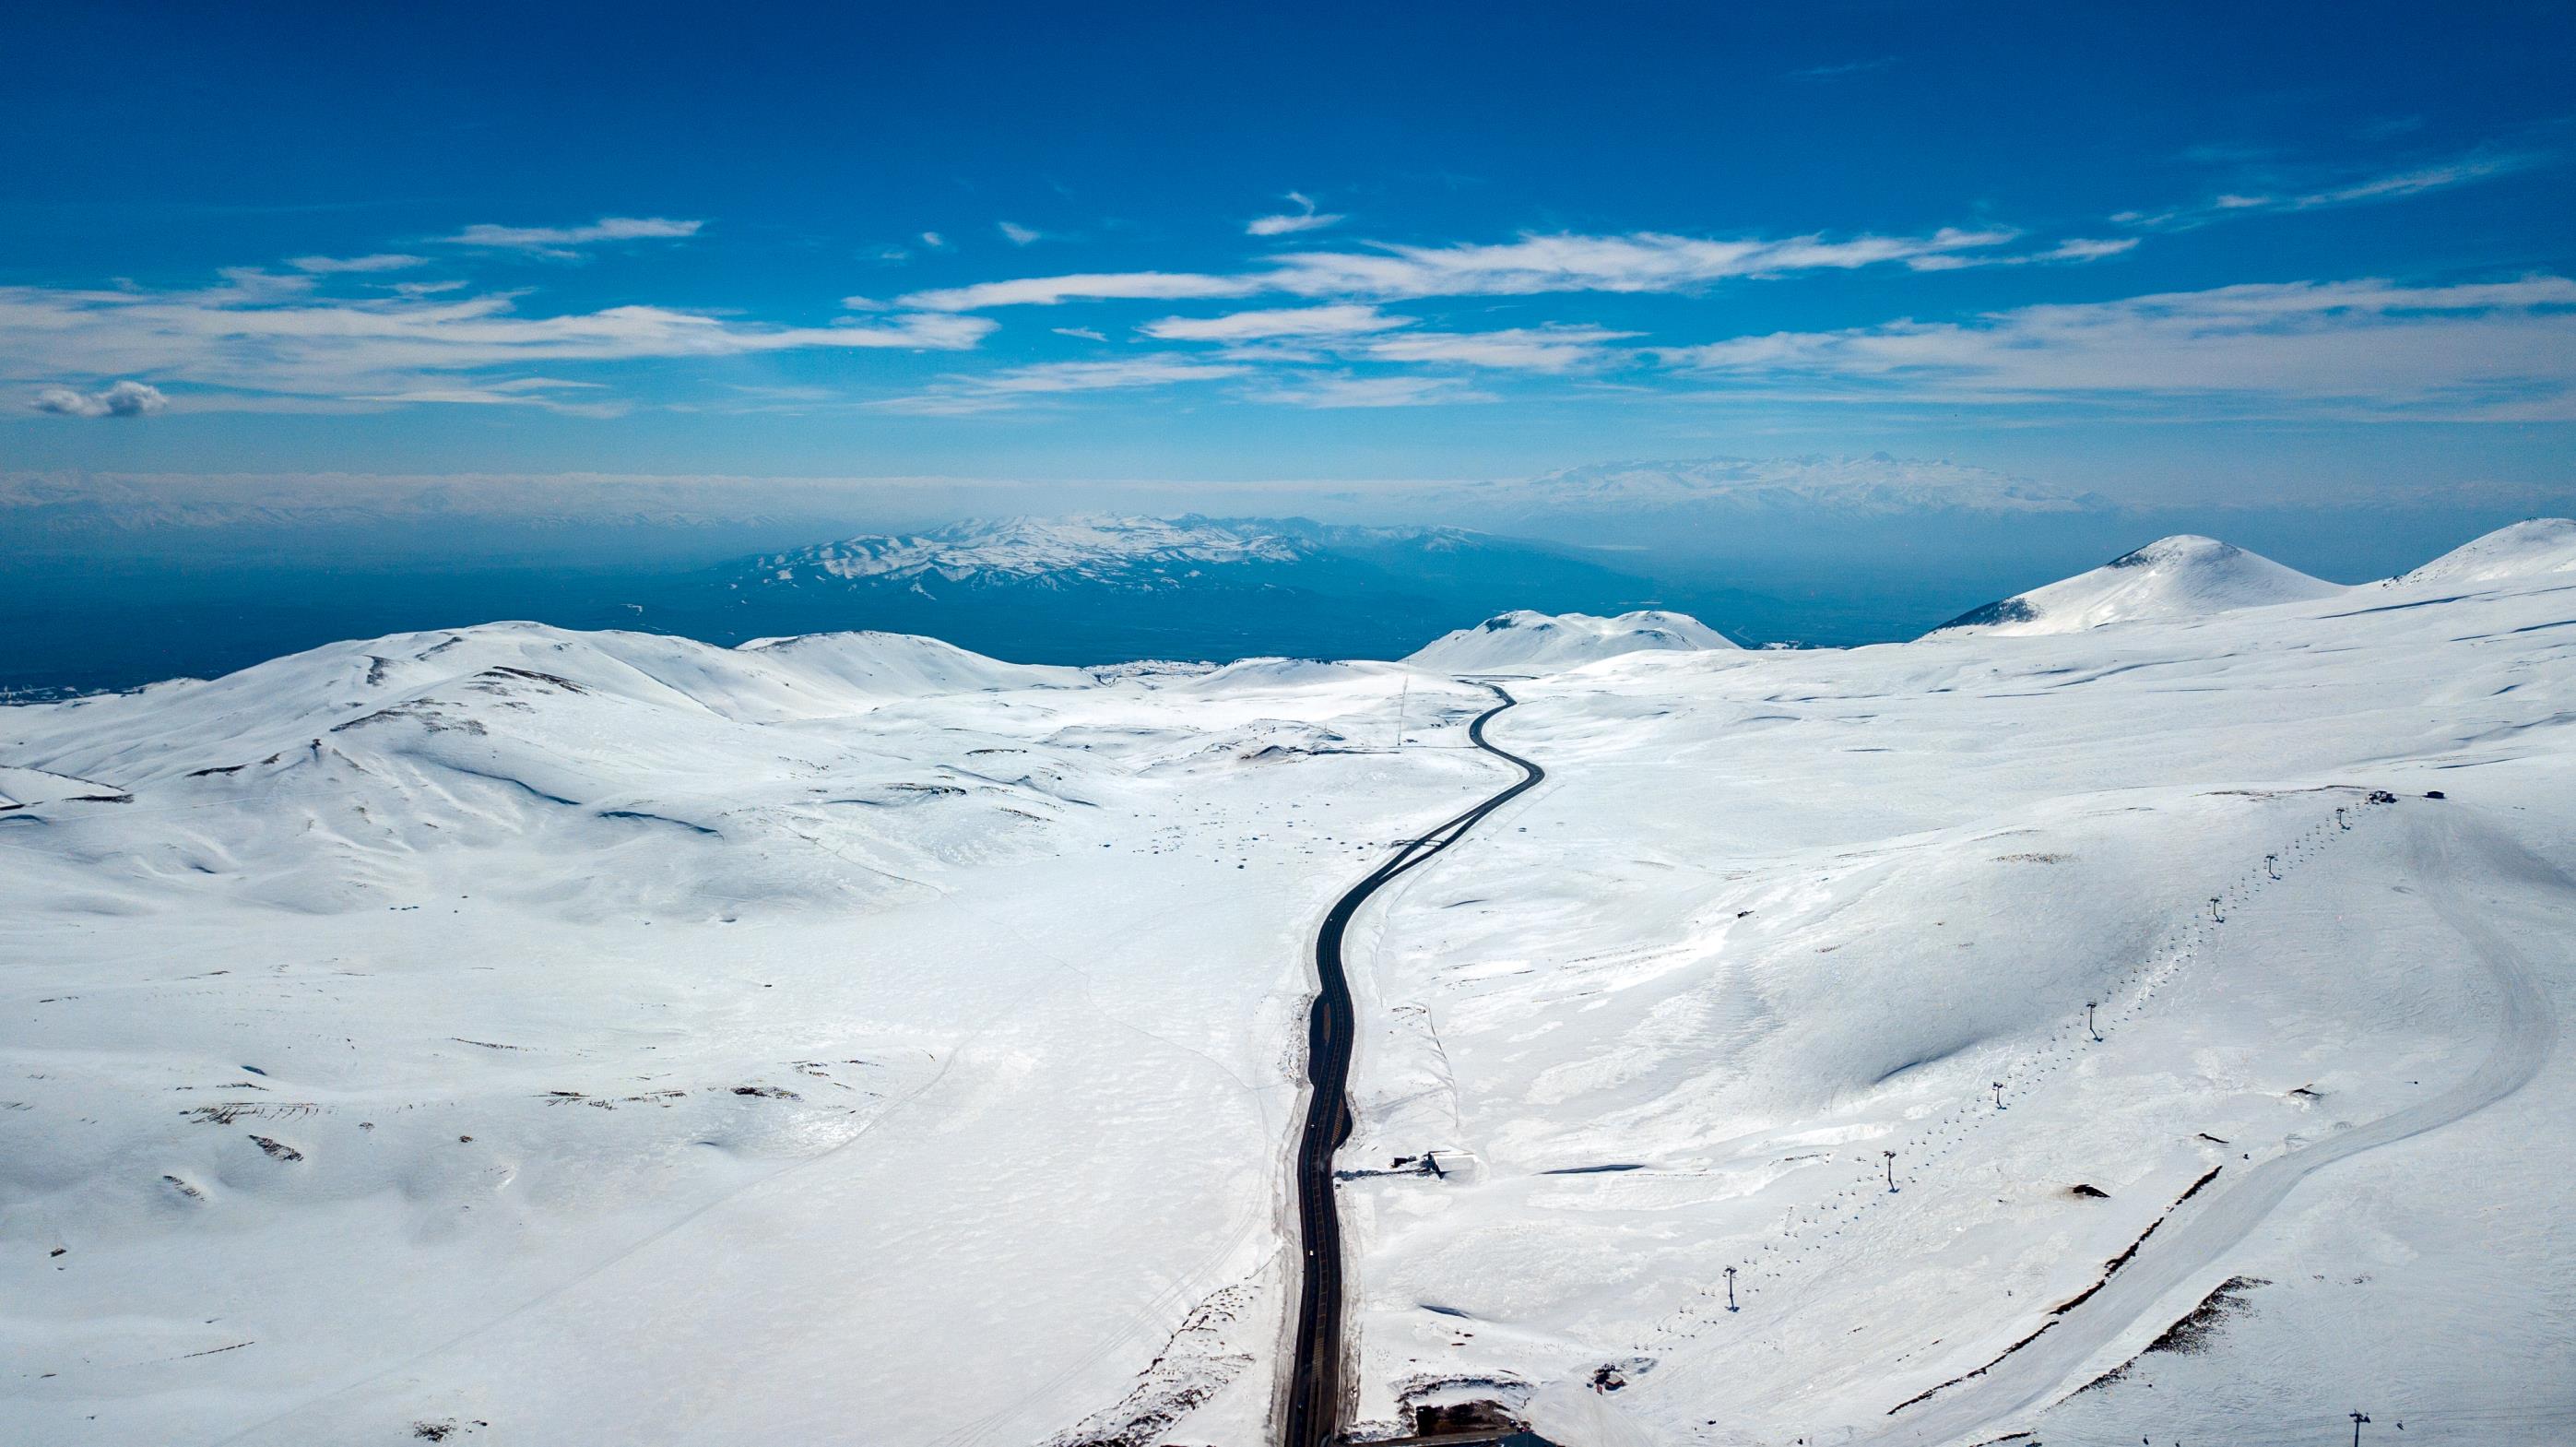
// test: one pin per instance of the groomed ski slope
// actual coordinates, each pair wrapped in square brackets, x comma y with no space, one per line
[507,1035]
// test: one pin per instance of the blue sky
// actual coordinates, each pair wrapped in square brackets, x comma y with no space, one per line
[2295,253]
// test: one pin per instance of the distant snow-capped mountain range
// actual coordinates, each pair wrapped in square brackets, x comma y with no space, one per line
[1105,586]
[1110,551]
[1163,554]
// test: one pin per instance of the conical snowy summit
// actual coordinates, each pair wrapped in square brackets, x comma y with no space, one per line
[2170,580]
[1523,641]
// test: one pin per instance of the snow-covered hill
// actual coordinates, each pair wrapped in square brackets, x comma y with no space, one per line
[2170,580]
[506,1034]
[1527,642]
[2529,550]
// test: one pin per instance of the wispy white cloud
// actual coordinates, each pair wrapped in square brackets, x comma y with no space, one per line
[1525,349]
[1019,235]
[1350,391]
[2076,250]
[1364,333]
[381,261]
[261,332]
[1643,261]
[934,241]
[1016,386]
[2087,249]
[120,399]
[1304,218]
[1845,69]
[564,241]
[540,392]
[1313,321]
[1084,286]
[2419,180]
[1083,333]
[2366,349]
[2350,191]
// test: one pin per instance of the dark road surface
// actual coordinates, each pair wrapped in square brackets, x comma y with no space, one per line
[1315,1382]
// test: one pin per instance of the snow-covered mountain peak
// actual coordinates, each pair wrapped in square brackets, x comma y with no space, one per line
[2172,579]
[1531,642]
[2179,550]
[2534,547]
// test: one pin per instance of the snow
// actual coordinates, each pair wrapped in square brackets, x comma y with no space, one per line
[1528,642]
[2170,580]
[2535,548]
[532,1036]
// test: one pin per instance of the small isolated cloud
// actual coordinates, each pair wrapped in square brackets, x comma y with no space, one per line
[1304,218]
[381,261]
[123,399]
[1369,392]
[934,241]
[1085,333]
[562,241]
[1309,321]
[1019,235]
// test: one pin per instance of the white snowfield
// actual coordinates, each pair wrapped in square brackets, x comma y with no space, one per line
[509,1035]
[1525,642]
[2171,580]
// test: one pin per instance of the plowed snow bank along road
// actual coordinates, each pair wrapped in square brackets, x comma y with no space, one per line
[2205,1230]
[1315,1381]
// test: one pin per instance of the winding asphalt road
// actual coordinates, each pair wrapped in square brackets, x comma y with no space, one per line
[1315,1381]
[2015,1389]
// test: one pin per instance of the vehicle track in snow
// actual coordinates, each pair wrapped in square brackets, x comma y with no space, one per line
[2014,1389]
[1315,1374]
